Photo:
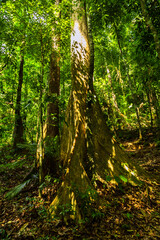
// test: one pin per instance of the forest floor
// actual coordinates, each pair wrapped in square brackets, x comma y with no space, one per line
[130,213]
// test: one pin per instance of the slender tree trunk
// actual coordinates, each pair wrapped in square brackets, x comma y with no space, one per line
[114,99]
[156,106]
[51,126]
[52,122]
[88,151]
[153,102]
[135,106]
[122,87]
[146,86]
[41,144]
[148,21]
[130,84]
[18,125]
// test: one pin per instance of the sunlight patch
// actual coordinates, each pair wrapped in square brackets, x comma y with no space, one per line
[78,37]
[125,166]
[113,151]
[110,165]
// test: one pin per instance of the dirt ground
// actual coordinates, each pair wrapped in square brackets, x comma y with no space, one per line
[130,213]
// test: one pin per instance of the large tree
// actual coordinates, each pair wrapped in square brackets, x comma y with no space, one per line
[88,151]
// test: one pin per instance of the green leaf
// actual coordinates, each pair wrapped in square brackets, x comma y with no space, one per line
[117,179]
[108,178]
[123,178]
[129,215]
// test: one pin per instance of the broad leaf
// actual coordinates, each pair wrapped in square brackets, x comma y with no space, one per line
[123,178]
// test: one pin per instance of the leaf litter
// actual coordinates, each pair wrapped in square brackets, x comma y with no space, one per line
[133,213]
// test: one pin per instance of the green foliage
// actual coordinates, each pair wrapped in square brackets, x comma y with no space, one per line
[123,178]
[43,213]
[12,165]
[47,182]
[52,146]
[109,178]
[87,205]
[123,46]
[4,235]
[128,215]
[66,209]
[119,180]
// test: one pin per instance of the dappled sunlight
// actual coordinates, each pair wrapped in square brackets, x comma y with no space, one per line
[83,174]
[89,193]
[126,167]
[134,173]
[78,110]
[67,170]
[91,153]
[79,41]
[109,159]
[130,171]
[73,204]
[62,184]
[110,165]
[54,205]
[113,149]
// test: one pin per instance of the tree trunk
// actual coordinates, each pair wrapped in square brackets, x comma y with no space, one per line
[51,126]
[122,117]
[130,84]
[18,126]
[147,88]
[156,106]
[88,151]
[52,122]
[41,144]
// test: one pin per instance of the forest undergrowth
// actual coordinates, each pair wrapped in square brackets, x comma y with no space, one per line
[130,212]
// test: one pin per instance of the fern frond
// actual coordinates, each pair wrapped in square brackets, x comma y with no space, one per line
[16,190]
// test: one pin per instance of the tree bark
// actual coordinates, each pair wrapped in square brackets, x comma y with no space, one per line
[51,126]
[52,122]
[88,151]
[156,106]
[73,142]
